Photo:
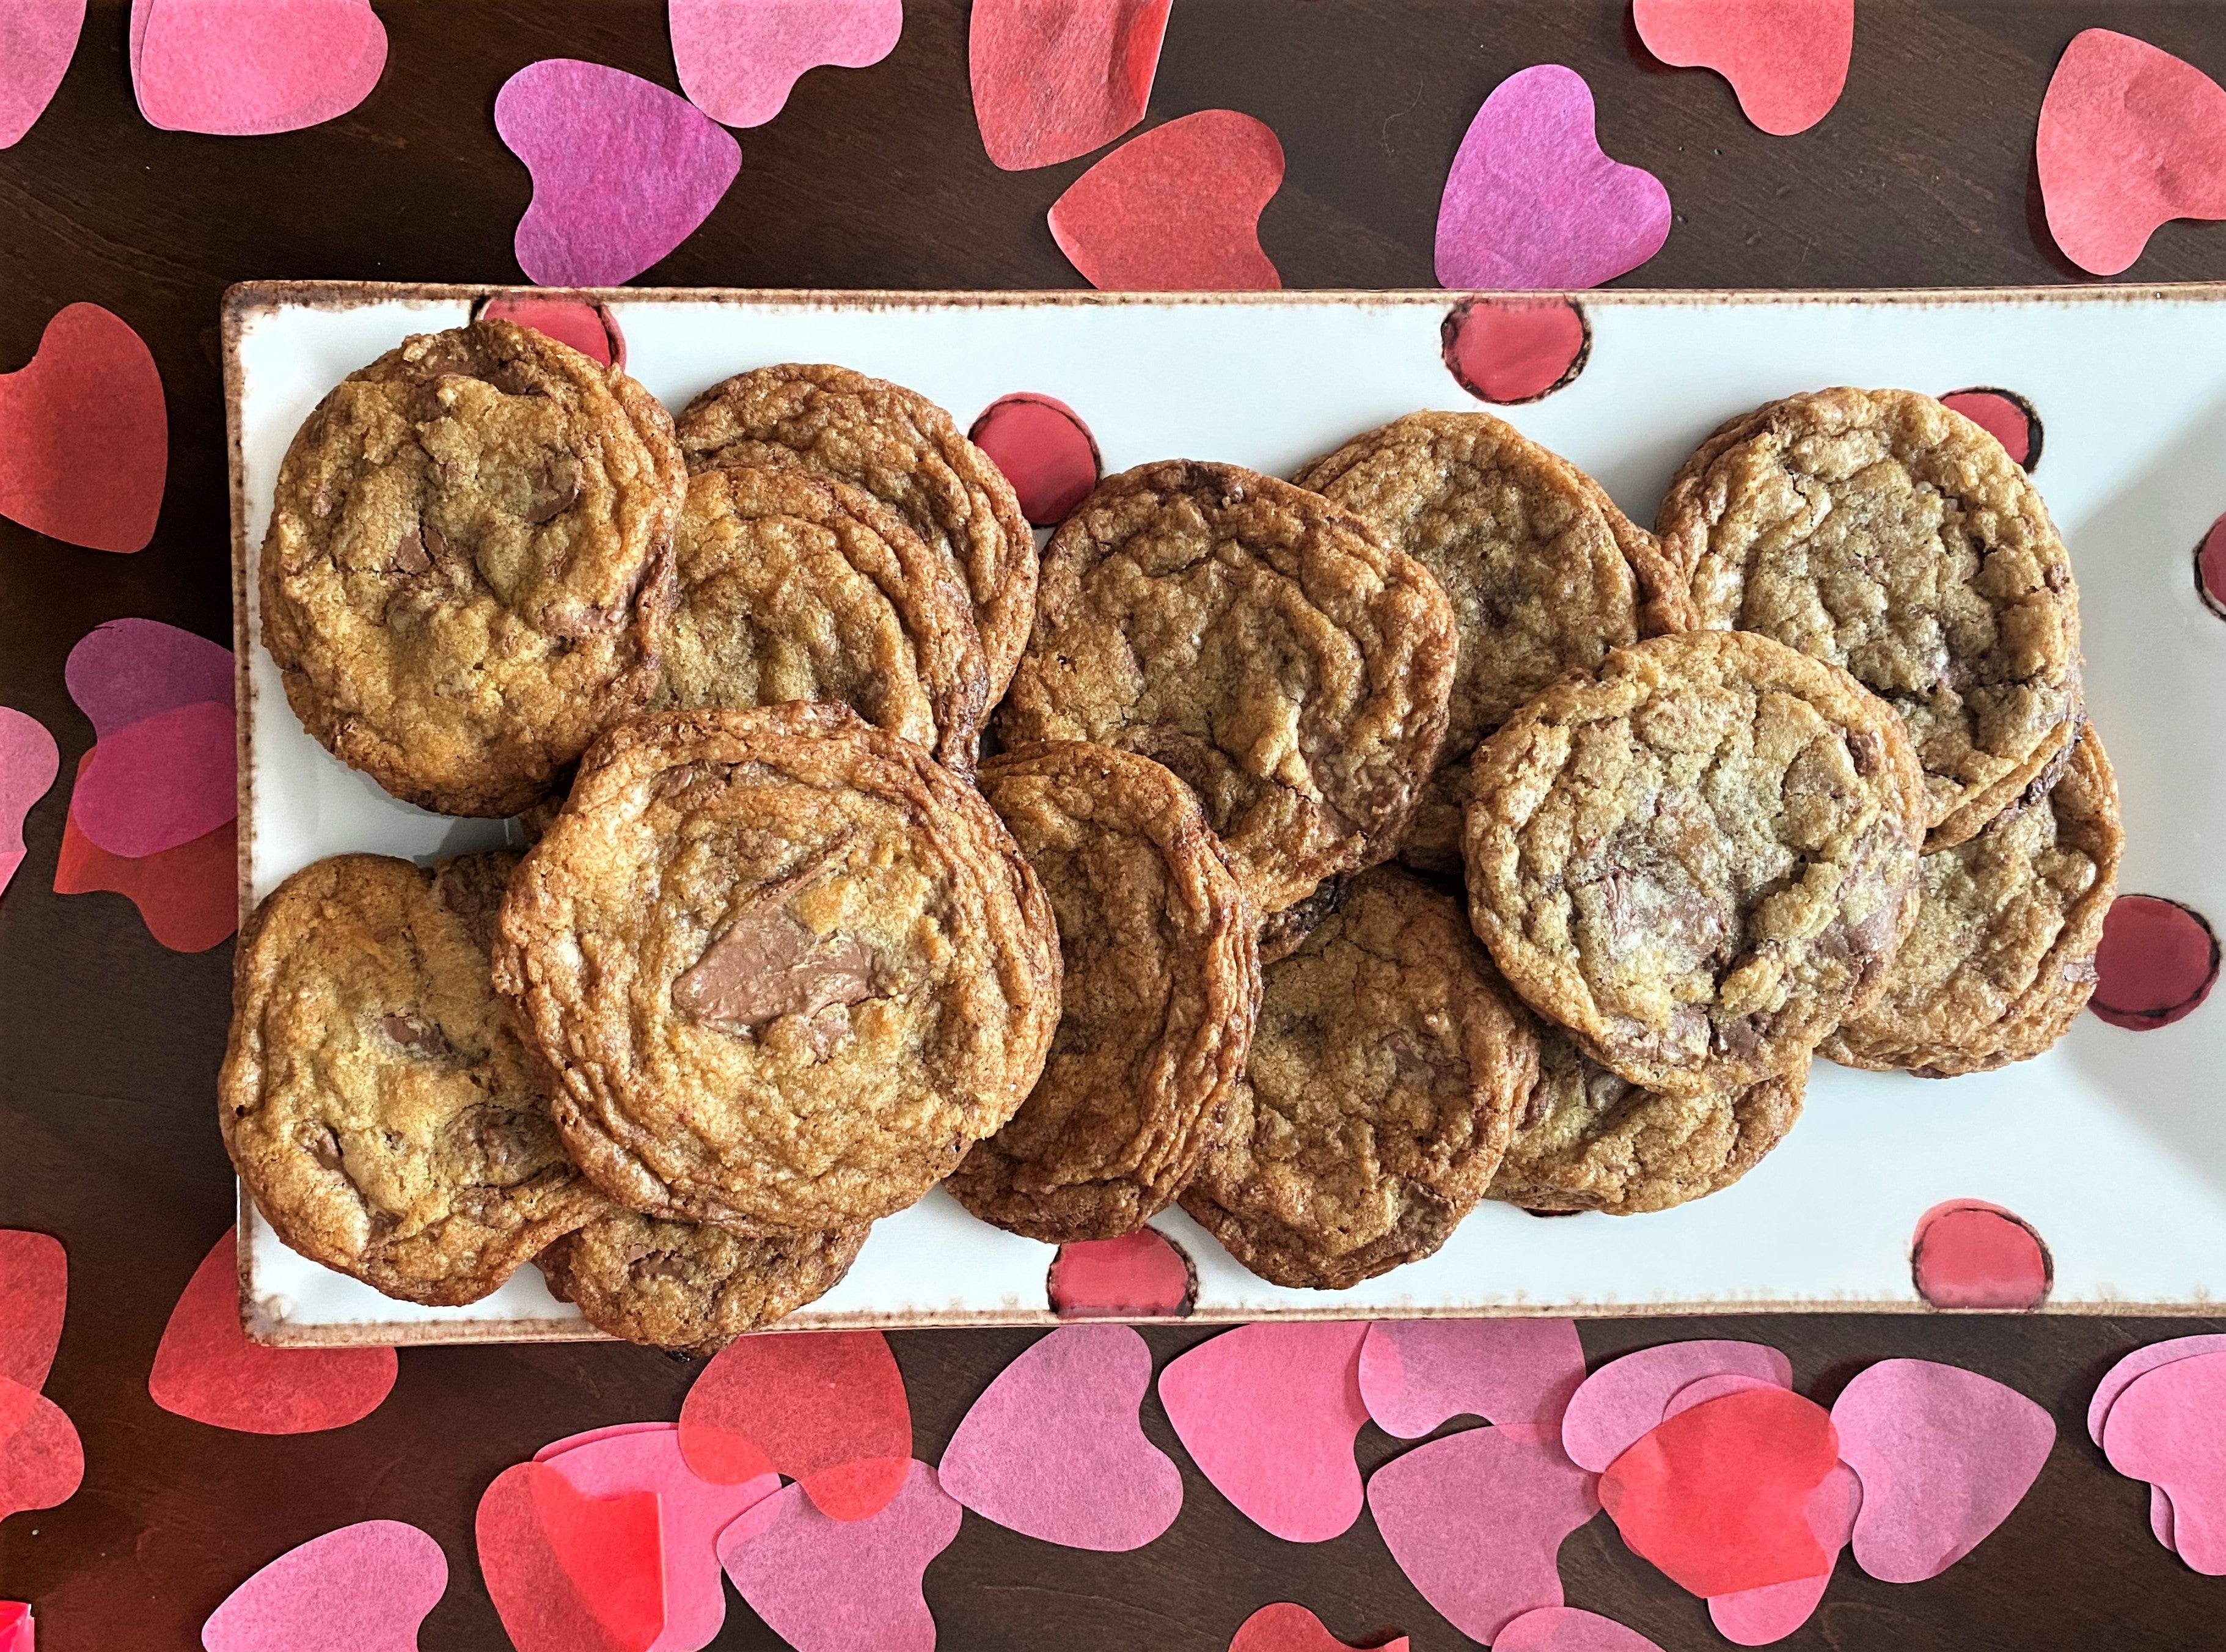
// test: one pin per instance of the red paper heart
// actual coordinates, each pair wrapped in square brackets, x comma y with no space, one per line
[827,1409]
[188,896]
[1176,210]
[42,1464]
[1969,1253]
[34,1292]
[1717,1497]
[1051,459]
[1052,82]
[2158,961]
[589,328]
[1288,1627]
[83,435]
[205,1369]
[1787,60]
[569,1572]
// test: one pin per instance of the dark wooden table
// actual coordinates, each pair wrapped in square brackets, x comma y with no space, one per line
[109,1045]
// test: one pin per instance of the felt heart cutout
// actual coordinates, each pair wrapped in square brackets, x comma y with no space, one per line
[1269,1413]
[827,1409]
[205,1369]
[2130,138]
[1787,60]
[623,171]
[568,1572]
[831,1585]
[1176,209]
[28,762]
[1051,459]
[1626,1397]
[242,68]
[1416,1373]
[37,39]
[2127,1371]
[1288,1627]
[83,435]
[364,1588]
[1053,1448]
[2164,1429]
[41,1462]
[188,896]
[1565,1629]
[1476,1520]
[1532,202]
[33,1294]
[163,781]
[128,669]
[1052,82]
[739,59]
[1758,1616]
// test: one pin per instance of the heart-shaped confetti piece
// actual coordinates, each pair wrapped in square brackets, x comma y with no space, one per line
[1758,1616]
[242,68]
[739,59]
[85,438]
[188,896]
[1787,60]
[163,781]
[1626,1397]
[1055,81]
[1565,1629]
[2140,1363]
[16,1630]
[1051,459]
[37,39]
[205,1369]
[826,1409]
[623,171]
[1288,1627]
[1176,209]
[2164,1429]
[129,669]
[28,762]
[33,1295]
[1969,1253]
[589,328]
[570,1572]
[1416,1373]
[588,1437]
[42,1464]
[364,1588]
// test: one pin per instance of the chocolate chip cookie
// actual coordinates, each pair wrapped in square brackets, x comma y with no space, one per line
[903,450]
[1387,1073]
[1698,858]
[787,968]
[373,1097]
[1161,984]
[1544,575]
[689,1286]
[1263,643]
[1883,532]
[469,564]
[2002,958]
[793,587]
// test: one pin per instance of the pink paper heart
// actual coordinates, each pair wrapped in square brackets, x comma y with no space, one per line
[2138,1363]
[41,1462]
[1051,82]
[1532,202]
[29,760]
[589,327]
[83,435]
[1943,1454]
[1787,60]
[1626,1397]
[1176,209]
[831,1585]
[364,1588]
[623,171]
[1269,1413]
[160,781]
[739,59]
[1969,1253]
[1415,1374]
[1054,1449]
[1712,1387]
[127,670]
[2164,1428]
[588,1437]
[1287,1626]
[1565,1629]
[37,39]
[244,68]
[1476,1520]
[1758,1616]
[2160,1517]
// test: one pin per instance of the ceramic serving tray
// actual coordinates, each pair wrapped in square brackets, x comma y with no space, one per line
[2112,1147]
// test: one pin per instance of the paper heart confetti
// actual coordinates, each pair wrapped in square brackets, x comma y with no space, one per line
[1626,1397]
[205,1369]
[1053,81]
[2130,138]
[2138,1363]
[2004,414]
[1288,1627]
[1416,1373]
[28,762]
[826,1409]
[739,59]
[84,441]
[163,781]
[242,68]
[1787,60]
[831,1586]
[188,896]
[1054,1449]
[42,1464]
[1565,1629]
[588,1437]
[1531,201]
[1176,209]
[1969,1253]
[2164,1428]
[126,671]
[17,1632]
[1051,459]
[2157,963]
[1507,350]
[33,1295]
[37,39]
[1758,1616]
[364,1588]
[568,1572]
[623,171]
[589,328]
[1476,1520]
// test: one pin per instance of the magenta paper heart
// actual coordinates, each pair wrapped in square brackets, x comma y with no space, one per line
[1626,1398]
[1758,1616]
[2165,1429]
[83,435]
[623,171]
[832,1585]
[739,59]
[1269,1413]
[1415,1374]
[1532,202]
[28,762]
[127,670]
[41,1462]
[1943,1454]
[244,68]
[2140,1363]
[1565,1629]
[1787,60]
[1476,1521]
[1052,1448]
[37,39]
[364,1588]
[161,781]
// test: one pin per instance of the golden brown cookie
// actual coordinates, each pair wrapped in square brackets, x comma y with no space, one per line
[1263,643]
[903,450]
[1161,983]
[787,968]
[469,564]
[1698,858]
[689,1286]
[1387,1073]
[2002,958]
[373,1098]
[1281,933]
[793,587]
[1544,575]
[1881,531]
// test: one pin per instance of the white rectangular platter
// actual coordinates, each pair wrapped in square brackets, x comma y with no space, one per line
[2113,1146]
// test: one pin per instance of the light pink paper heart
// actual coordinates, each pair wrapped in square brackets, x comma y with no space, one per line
[1943,1454]
[160,781]
[1626,1397]
[2165,1429]
[1532,202]
[833,1585]
[2141,1360]
[1565,1629]
[364,1588]
[1415,1374]
[739,59]
[623,171]
[1712,1387]
[244,68]
[1476,1520]
[127,670]
[1054,1449]
[1758,1616]
[1269,1413]
[37,39]
[29,760]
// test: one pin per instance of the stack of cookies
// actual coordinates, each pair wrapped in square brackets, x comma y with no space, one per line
[1327,855]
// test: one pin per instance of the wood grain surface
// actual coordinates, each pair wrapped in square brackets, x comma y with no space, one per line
[109,1045]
